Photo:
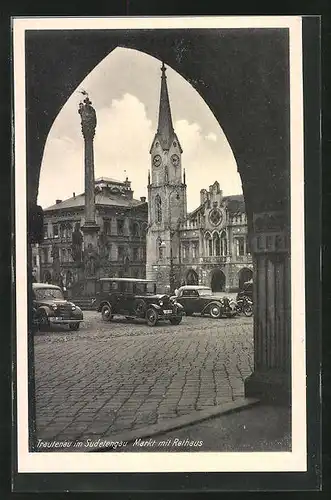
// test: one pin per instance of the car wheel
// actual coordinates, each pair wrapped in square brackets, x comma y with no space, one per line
[43,321]
[139,308]
[248,310]
[151,317]
[74,326]
[176,321]
[215,311]
[106,312]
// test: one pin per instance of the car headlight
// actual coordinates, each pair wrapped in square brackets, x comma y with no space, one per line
[73,308]
[161,302]
[54,307]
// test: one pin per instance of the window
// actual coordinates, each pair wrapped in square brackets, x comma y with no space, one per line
[48,293]
[63,231]
[34,260]
[120,227]
[69,255]
[190,293]
[135,254]
[185,251]
[195,250]
[158,208]
[240,246]
[248,245]
[217,248]
[45,255]
[135,229]
[45,231]
[224,246]
[144,254]
[108,251]
[107,226]
[55,231]
[120,253]
[69,231]
[210,247]
[63,255]
[161,254]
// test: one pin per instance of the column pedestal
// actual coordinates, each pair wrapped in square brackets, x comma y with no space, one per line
[91,258]
[271,378]
[270,386]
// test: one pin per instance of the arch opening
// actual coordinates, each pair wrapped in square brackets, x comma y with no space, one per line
[217,282]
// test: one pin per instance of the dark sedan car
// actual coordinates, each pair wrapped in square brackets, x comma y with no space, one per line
[135,299]
[200,299]
[50,307]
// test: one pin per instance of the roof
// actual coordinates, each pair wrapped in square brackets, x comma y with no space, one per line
[165,128]
[44,285]
[134,280]
[235,203]
[108,179]
[100,199]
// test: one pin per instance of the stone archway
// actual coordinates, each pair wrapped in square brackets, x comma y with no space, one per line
[254,113]
[217,280]
[244,275]
[191,277]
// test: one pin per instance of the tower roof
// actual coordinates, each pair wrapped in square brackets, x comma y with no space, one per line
[165,129]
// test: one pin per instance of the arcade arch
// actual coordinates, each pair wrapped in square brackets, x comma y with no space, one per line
[261,152]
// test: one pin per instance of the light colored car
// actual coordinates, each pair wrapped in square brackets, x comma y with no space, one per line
[201,300]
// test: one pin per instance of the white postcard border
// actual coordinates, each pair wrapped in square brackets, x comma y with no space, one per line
[296,460]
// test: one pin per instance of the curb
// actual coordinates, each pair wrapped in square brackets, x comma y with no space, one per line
[176,423]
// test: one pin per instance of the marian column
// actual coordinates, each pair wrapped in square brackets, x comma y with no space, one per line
[90,228]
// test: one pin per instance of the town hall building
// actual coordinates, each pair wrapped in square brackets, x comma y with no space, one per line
[106,232]
[208,246]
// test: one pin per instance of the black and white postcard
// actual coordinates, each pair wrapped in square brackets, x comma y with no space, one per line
[159,251]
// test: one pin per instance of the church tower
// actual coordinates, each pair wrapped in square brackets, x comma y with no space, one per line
[166,198]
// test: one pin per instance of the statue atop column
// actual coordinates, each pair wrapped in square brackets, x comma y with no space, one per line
[88,118]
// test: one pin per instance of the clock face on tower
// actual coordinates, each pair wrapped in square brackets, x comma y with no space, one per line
[157,160]
[175,160]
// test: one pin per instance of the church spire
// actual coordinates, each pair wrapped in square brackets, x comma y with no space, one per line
[165,129]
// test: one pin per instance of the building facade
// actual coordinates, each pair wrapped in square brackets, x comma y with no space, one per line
[121,238]
[207,246]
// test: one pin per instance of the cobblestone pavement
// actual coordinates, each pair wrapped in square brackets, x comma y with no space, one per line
[111,377]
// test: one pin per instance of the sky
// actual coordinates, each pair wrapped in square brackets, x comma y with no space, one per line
[125,90]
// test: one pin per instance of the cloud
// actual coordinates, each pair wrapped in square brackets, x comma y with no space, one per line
[211,137]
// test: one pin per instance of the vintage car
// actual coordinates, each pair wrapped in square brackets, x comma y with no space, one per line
[135,298]
[201,300]
[50,307]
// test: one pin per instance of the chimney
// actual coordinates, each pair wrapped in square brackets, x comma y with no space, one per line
[58,201]
[74,195]
[143,198]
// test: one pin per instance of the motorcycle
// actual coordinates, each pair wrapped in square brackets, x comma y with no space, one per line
[245,306]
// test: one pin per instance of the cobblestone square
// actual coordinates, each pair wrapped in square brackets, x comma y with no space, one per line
[119,376]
